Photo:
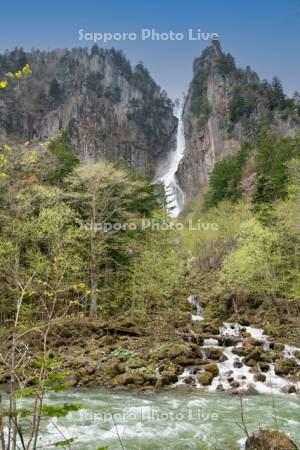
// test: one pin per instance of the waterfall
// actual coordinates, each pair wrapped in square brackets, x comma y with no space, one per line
[174,194]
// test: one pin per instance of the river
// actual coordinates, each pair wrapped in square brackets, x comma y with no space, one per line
[176,419]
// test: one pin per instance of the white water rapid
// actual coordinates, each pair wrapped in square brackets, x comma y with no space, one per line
[174,194]
[233,371]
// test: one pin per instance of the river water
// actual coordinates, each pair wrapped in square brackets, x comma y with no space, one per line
[177,419]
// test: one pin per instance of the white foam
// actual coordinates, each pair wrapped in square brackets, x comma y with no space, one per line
[174,194]
[244,375]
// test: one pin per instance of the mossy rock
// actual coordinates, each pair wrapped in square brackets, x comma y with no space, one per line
[229,341]
[237,364]
[169,377]
[269,440]
[108,340]
[239,351]
[214,353]
[212,368]
[250,362]
[255,354]
[289,389]
[122,380]
[279,347]
[205,378]
[184,360]
[135,363]
[266,358]
[287,366]
[253,342]
[264,366]
[138,379]
[260,377]
[244,321]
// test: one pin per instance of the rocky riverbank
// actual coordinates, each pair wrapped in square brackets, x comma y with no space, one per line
[199,353]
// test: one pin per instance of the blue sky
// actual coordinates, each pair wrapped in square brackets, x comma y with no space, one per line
[262,33]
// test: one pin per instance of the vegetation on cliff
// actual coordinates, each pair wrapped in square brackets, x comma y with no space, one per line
[254,265]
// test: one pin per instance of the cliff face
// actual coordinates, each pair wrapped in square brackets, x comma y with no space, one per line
[224,106]
[107,108]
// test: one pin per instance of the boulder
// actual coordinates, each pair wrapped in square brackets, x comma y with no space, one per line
[122,367]
[255,354]
[234,384]
[212,368]
[240,351]
[169,377]
[289,389]
[265,357]
[279,347]
[229,341]
[122,379]
[250,390]
[253,342]
[244,321]
[237,364]
[269,440]
[72,380]
[107,340]
[260,377]
[138,379]
[205,378]
[264,366]
[250,362]
[189,381]
[150,379]
[136,363]
[197,351]
[174,352]
[214,353]
[286,366]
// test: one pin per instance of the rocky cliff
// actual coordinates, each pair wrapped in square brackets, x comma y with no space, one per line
[224,106]
[107,108]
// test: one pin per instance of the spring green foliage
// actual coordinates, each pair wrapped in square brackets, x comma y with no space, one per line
[271,168]
[248,267]
[61,410]
[226,176]
[58,214]
[272,157]
[253,258]
[200,106]
[247,97]
[123,352]
[157,273]
[13,61]
[65,160]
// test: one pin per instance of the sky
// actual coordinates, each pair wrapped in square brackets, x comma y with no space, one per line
[264,34]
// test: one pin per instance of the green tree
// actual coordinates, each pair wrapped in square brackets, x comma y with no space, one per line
[250,269]
[107,199]
[225,179]
[55,91]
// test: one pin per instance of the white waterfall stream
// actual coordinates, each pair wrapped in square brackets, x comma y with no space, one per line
[174,194]
[233,366]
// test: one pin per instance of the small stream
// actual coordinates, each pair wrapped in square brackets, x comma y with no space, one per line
[234,368]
